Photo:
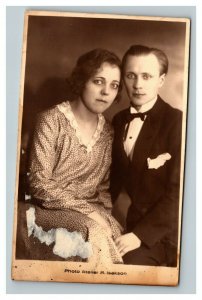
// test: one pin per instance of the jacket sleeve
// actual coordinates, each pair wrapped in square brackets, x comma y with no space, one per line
[116,171]
[42,184]
[162,218]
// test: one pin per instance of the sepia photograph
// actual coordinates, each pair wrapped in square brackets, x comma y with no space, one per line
[101,148]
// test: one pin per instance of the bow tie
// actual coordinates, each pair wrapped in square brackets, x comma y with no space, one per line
[131,116]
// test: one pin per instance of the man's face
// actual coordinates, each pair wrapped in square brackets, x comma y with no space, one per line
[142,78]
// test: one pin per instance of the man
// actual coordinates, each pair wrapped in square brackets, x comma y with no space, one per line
[146,161]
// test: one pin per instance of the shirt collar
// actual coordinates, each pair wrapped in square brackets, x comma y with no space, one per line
[145,107]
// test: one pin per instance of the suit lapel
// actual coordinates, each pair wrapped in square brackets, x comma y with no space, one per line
[147,136]
[120,140]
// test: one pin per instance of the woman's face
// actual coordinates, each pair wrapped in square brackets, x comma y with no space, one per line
[101,89]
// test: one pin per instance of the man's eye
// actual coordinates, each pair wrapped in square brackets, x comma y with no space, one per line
[146,76]
[115,86]
[97,81]
[130,76]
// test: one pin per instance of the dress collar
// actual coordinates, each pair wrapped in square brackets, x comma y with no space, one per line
[65,108]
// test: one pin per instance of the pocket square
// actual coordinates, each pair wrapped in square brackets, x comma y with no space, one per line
[158,161]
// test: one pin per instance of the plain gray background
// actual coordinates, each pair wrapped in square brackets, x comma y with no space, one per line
[15,18]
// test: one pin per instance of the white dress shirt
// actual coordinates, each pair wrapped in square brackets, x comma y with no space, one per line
[135,127]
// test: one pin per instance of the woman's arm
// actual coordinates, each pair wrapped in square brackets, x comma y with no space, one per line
[104,194]
[101,221]
[42,161]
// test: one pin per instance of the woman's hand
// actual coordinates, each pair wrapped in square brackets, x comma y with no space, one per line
[101,221]
[127,242]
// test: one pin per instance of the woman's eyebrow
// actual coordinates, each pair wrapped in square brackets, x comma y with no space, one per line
[100,77]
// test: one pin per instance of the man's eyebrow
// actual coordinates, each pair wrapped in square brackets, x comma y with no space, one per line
[147,73]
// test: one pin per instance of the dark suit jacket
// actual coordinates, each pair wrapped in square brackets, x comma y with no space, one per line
[154,193]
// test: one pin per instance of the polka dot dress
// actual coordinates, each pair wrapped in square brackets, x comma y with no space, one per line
[71,180]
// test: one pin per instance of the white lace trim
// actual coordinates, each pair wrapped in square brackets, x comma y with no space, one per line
[67,244]
[65,108]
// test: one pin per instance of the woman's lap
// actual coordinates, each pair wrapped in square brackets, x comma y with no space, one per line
[71,220]
[30,247]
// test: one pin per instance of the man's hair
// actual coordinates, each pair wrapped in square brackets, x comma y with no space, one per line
[87,65]
[137,50]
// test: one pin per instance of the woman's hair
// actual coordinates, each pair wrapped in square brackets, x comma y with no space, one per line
[137,50]
[87,65]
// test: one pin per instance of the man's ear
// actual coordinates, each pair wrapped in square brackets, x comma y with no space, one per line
[162,79]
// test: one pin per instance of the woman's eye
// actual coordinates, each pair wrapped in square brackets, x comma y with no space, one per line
[115,86]
[97,81]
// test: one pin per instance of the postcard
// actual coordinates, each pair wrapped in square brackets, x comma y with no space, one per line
[101,148]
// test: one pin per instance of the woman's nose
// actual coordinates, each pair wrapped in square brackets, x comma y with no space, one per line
[105,90]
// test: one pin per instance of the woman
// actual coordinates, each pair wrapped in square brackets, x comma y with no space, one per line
[70,160]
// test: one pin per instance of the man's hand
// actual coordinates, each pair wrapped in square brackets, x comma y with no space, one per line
[127,242]
[101,221]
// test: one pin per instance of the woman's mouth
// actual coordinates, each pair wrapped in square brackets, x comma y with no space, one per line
[101,100]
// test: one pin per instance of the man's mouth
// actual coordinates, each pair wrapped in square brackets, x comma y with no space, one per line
[138,94]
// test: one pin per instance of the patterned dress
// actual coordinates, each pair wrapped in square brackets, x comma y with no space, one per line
[71,180]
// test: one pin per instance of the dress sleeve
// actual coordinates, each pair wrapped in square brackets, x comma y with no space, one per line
[43,186]
[104,194]
[104,186]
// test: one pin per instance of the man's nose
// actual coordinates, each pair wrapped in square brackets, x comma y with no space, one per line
[137,84]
